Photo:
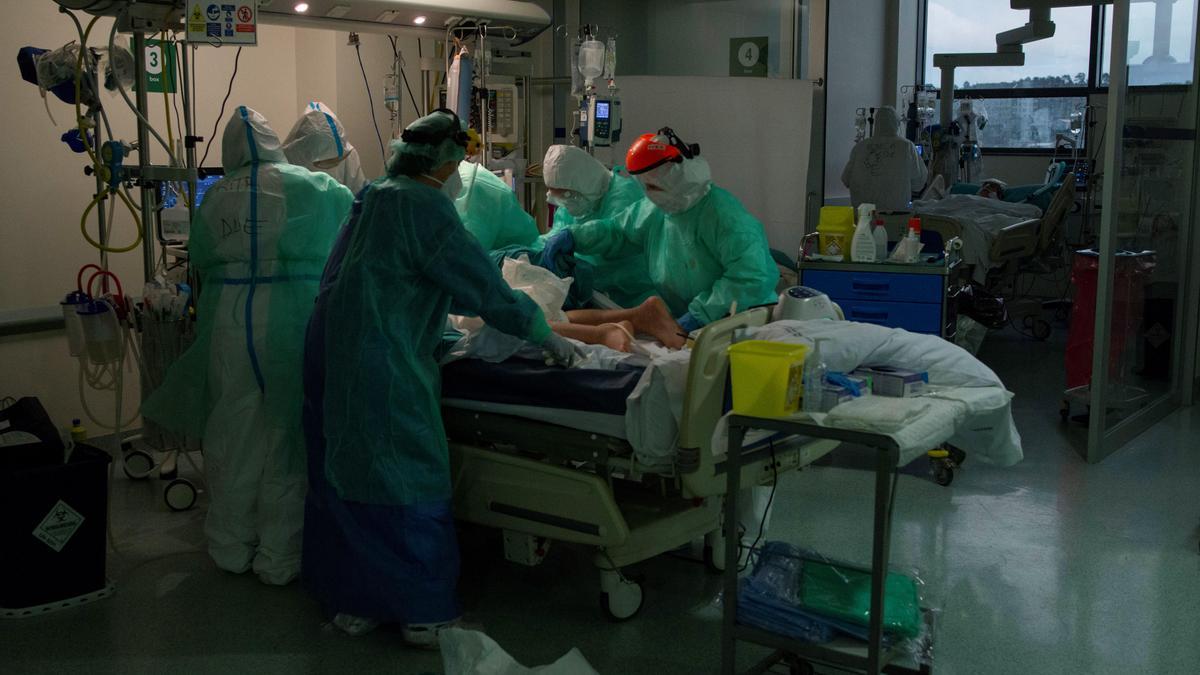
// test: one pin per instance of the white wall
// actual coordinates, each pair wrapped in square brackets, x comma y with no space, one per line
[855,79]
[754,133]
[46,190]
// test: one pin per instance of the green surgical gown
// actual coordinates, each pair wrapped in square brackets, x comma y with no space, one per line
[408,262]
[701,260]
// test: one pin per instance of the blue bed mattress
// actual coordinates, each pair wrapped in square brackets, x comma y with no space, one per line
[526,381]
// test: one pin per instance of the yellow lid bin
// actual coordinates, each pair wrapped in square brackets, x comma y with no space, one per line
[836,230]
[767,377]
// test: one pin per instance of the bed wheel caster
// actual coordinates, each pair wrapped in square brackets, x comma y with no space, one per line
[942,474]
[180,494]
[620,597]
[943,461]
[1038,327]
[137,464]
[714,561]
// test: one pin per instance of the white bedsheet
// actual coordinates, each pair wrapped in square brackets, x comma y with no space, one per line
[982,220]
[967,395]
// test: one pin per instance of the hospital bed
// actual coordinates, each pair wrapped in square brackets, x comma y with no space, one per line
[1015,248]
[532,458]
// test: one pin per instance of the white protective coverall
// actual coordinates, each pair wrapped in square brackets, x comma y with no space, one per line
[884,169]
[259,244]
[318,142]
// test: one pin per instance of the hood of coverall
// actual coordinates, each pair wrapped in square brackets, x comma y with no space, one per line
[249,137]
[887,122]
[567,167]
[318,139]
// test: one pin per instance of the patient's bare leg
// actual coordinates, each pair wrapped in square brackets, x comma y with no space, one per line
[651,317]
[616,335]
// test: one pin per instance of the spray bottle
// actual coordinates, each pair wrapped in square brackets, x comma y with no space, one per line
[862,247]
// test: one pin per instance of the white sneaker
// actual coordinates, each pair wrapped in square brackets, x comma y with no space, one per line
[425,635]
[355,625]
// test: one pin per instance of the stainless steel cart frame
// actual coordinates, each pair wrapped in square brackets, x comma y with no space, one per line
[887,456]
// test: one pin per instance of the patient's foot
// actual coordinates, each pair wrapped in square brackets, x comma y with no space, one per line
[618,336]
[654,318]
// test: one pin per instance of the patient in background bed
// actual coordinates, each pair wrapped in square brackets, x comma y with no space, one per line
[616,328]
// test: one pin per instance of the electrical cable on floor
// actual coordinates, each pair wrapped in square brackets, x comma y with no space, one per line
[370,101]
[228,92]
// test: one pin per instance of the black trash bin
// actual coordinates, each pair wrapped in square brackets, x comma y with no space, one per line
[52,528]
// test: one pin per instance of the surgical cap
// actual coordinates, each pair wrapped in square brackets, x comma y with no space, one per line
[437,144]
[567,167]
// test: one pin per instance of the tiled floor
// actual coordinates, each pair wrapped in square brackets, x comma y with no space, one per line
[1051,566]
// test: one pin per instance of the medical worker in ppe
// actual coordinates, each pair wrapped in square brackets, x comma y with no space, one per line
[318,142]
[705,253]
[258,243]
[584,190]
[489,210]
[885,169]
[379,542]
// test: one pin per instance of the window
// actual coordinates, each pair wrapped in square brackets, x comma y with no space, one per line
[954,26]
[1053,84]
[1040,122]
[1162,43]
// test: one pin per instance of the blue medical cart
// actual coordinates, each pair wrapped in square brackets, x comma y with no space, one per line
[917,297]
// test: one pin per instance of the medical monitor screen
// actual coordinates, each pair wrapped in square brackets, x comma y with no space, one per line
[170,198]
[601,110]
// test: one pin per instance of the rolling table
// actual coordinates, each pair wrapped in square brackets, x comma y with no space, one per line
[887,456]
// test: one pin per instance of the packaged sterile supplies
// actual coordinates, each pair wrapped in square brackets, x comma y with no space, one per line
[897,382]
[807,596]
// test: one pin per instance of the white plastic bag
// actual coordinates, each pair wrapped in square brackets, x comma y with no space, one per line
[469,652]
[541,285]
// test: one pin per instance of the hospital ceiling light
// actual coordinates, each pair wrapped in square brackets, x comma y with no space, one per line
[419,20]
[301,7]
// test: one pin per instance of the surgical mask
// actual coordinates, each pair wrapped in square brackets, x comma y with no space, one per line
[576,204]
[451,187]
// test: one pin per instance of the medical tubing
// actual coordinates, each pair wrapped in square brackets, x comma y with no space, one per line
[96,164]
[371,102]
[228,91]
[762,523]
[110,275]
[112,36]
[79,275]
[137,221]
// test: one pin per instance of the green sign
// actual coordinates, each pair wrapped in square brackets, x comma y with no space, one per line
[748,57]
[160,66]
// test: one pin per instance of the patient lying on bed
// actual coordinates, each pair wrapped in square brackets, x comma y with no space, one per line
[617,328]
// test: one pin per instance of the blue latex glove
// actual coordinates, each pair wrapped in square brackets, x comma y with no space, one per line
[689,323]
[559,243]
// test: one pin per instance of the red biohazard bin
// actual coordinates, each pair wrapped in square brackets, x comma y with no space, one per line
[1129,293]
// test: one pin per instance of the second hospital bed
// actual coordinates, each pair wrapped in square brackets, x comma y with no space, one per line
[544,452]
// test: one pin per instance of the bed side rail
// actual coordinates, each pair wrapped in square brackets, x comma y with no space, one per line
[704,403]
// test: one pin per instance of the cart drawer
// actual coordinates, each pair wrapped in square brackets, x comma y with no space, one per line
[876,286]
[917,317]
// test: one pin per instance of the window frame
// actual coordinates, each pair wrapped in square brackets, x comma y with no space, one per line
[1091,89]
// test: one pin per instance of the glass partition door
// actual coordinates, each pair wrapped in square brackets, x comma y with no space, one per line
[1143,361]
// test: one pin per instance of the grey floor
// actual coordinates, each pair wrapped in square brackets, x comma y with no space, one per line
[1051,566]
